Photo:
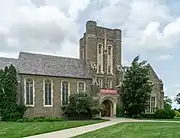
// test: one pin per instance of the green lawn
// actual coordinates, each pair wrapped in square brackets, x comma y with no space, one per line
[17,130]
[137,130]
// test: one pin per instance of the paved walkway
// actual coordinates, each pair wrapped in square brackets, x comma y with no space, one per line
[67,133]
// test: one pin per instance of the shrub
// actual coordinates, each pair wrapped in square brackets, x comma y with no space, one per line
[148,116]
[81,106]
[177,113]
[164,114]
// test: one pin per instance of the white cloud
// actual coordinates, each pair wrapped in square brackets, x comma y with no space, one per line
[148,25]
[165,57]
[51,28]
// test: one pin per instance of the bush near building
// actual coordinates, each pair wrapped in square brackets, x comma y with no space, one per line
[81,106]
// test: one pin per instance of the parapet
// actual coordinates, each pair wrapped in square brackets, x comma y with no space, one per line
[91,27]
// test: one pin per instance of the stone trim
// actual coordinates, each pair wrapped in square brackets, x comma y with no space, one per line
[91,35]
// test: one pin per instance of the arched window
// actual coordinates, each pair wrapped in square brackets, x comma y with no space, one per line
[81,86]
[29,92]
[48,93]
[65,92]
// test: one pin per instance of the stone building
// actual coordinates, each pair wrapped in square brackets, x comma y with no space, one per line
[46,81]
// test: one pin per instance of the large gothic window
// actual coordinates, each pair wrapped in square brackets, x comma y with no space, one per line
[152,105]
[100,58]
[65,91]
[110,60]
[29,92]
[48,93]
[81,86]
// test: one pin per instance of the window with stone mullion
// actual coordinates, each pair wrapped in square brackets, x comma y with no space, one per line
[153,104]
[48,93]
[65,92]
[29,92]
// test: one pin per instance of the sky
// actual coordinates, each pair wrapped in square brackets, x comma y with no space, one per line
[151,29]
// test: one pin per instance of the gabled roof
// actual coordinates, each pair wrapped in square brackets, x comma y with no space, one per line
[7,62]
[38,64]
[153,72]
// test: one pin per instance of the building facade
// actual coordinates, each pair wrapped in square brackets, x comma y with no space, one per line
[46,81]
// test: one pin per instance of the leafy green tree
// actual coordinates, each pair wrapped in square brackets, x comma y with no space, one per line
[136,88]
[167,103]
[177,98]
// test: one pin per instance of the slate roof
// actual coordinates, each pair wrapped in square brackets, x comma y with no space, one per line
[7,62]
[38,64]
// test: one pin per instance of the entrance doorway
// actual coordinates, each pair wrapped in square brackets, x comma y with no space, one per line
[107,108]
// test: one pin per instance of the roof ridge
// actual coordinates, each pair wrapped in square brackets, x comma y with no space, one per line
[8,58]
[29,53]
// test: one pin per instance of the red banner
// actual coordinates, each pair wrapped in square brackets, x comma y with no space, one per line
[108,91]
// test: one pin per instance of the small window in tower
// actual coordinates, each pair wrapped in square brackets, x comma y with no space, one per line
[109,69]
[99,68]
[110,84]
[109,50]
[100,46]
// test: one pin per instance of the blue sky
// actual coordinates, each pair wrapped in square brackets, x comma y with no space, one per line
[151,29]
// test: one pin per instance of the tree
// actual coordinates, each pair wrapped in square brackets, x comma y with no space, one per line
[81,106]
[167,103]
[136,88]
[9,109]
[177,98]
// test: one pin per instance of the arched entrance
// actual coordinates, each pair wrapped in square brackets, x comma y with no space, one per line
[107,107]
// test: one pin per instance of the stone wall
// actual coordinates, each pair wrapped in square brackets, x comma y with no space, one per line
[55,111]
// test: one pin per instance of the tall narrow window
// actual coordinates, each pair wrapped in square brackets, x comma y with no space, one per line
[110,84]
[48,93]
[100,58]
[153,104]
[99,68]
[65,92]
[100,46]
[109,69]
[29,92]
[110,60]
[81,86]
[109,50]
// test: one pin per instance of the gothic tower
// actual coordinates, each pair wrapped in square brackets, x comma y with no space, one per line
[100,48]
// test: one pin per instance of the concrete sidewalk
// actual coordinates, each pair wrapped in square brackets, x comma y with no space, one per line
[67,133]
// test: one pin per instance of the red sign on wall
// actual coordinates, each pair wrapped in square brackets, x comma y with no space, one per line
[108,91]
